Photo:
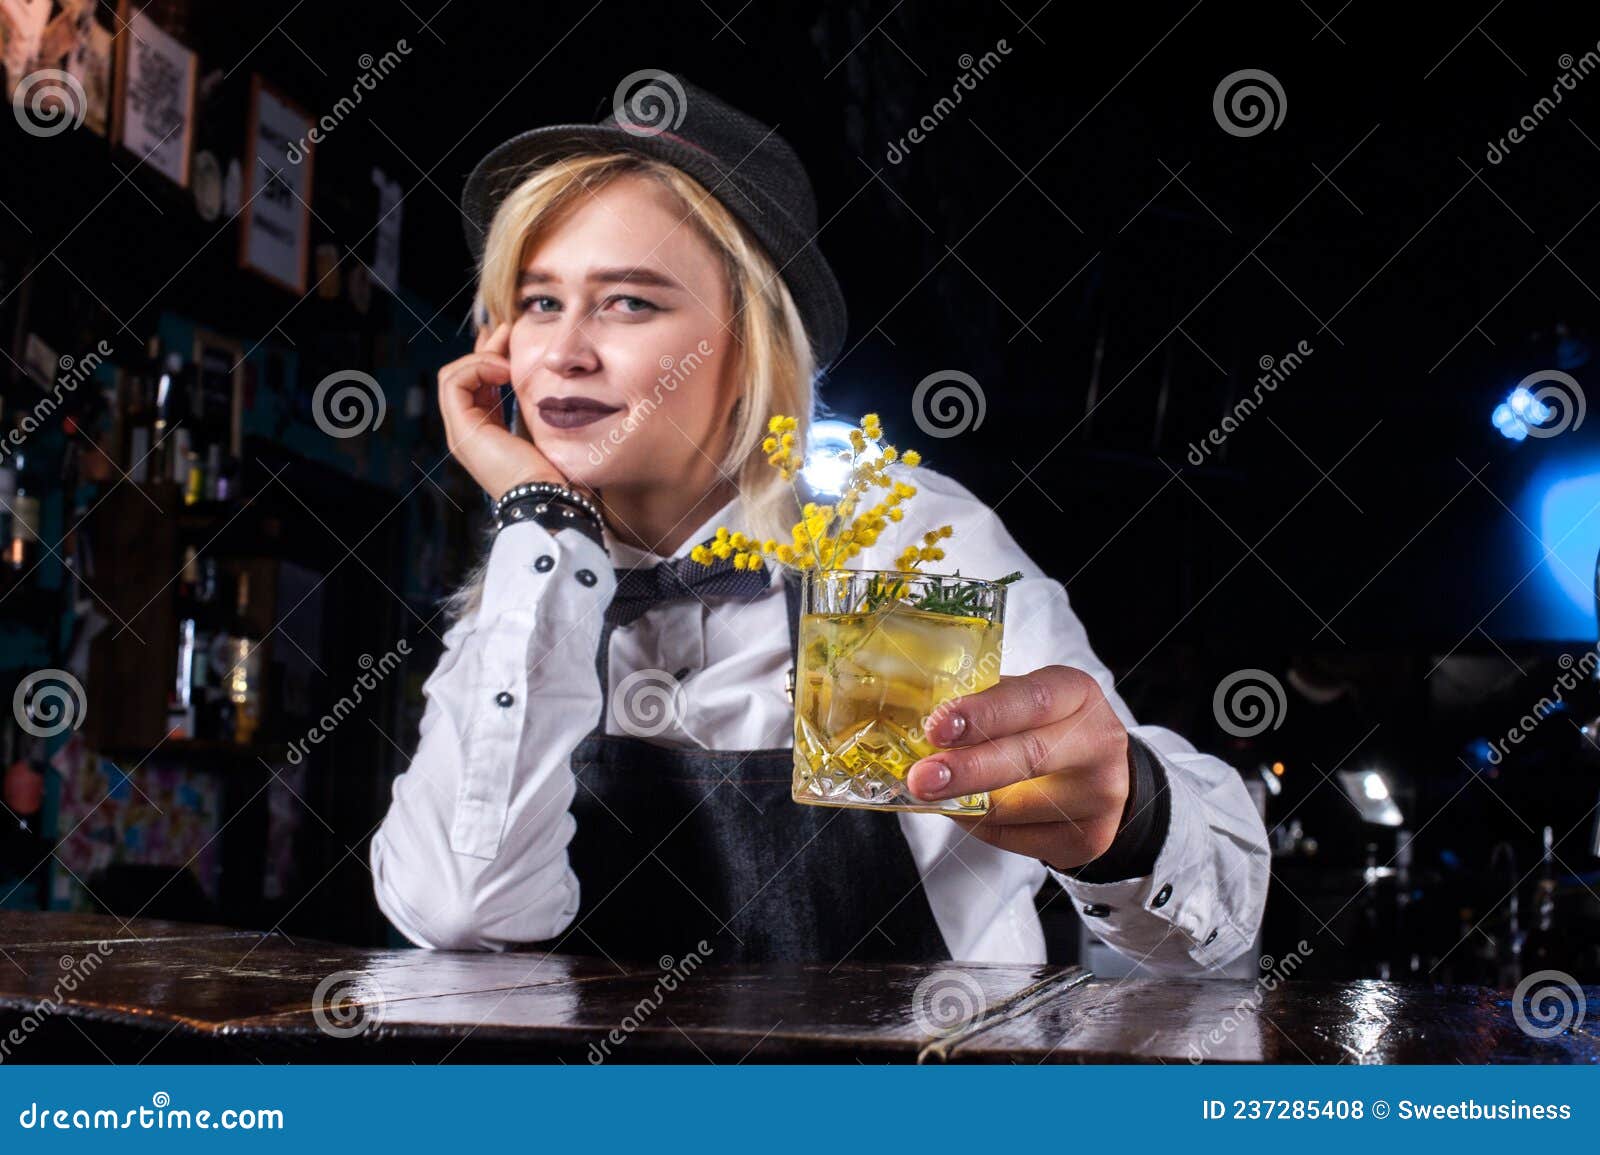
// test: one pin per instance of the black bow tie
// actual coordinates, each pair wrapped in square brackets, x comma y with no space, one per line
[678,579]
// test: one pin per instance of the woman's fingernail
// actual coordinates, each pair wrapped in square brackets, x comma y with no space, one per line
[933,779]
[951,727]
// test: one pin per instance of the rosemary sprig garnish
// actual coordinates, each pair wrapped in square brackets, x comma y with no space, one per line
[948,594]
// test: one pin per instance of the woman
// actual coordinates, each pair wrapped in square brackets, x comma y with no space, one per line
[652,296]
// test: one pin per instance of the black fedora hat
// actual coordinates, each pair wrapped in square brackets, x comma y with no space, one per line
[745,164]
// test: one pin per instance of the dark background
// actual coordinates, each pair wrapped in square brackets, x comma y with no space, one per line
[1083,238]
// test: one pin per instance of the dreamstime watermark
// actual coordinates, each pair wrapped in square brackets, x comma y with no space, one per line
[1249,702]
[1274,373]
[946,1001]
[947,403]
[674,372]
[1546,705]
[1572,71]
[972,70]
[74,372]
[348,403]
[969,675]
[649,102]
[49,702]
[372,71]
[347,1004]
[49,102]
[648,702]
[1548,1003]
[77,970]
[1276,972]
[347,703]
[1554,408]
[675,972]
[1249,102]
[159,1116]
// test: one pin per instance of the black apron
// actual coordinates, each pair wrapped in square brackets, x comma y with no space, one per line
[678,845]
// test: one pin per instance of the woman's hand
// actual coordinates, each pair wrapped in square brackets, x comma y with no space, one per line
[1053,755]
[469,399]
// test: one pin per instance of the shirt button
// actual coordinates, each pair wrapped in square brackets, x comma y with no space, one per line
[544,563]
[586,577]
[503,698]
[1096,909]
[1210,938]
[1162,895]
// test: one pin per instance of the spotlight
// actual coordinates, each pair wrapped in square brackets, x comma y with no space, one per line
[827,464]
[1518,411]
[1370,793]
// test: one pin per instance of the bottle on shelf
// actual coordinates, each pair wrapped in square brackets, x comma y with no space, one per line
[194,478]
[211,481]
[245,671]
[180,694]
[8,503]
[1545,946]
[213,706]
[141,384]
[22,541]
[169,439]
[23,846]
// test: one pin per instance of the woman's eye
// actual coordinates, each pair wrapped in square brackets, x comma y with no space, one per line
[630,306]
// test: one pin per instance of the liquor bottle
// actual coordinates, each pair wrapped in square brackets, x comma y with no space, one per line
[228,479]
[213,711]
[22,544]
[180,695]
[213,474]
[245,687]
[138,386]
[23,847]
[194,480]
[8,503]
[1545,947]
[165,446]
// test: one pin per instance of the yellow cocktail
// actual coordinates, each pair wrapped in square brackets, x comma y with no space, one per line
[878,651]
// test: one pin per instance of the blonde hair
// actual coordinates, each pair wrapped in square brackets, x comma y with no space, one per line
[772,353]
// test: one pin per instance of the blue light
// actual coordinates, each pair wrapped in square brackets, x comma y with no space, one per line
[1518,411]
[1508,423]
[1569,538]
[1528,407]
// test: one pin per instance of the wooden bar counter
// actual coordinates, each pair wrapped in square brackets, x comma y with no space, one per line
[88,988]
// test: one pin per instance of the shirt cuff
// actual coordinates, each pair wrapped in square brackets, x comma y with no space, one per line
[1142,831]
[564,573]
[1177,918]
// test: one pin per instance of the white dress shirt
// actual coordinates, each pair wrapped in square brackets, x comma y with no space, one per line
[473,851]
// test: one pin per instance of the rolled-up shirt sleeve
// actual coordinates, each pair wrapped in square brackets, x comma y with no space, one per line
[472,853]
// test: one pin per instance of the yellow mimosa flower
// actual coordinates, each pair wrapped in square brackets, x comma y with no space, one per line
[828,535]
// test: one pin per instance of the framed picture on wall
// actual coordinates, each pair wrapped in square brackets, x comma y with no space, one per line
[155,95]
[275,222]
